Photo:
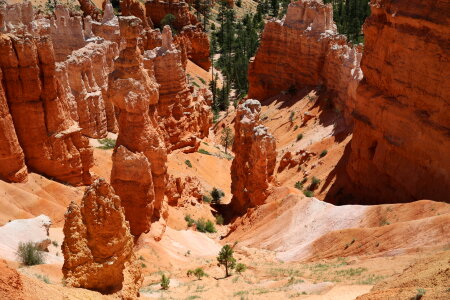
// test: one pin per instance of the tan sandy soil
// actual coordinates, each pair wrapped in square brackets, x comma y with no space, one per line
[38,195]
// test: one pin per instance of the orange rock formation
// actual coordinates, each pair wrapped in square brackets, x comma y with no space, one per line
[84,76]
[191,35]
[12,162]
[98,246]
[304,50]
[139,172]
[184,114]
[400,146]
[134,8]
[253,166]
[51,140]
[89,9]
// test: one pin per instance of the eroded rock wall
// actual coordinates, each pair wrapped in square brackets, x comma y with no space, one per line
[51,140]
[255,158]
[84,76]
[401,140]
[67,33]
[139,172]
[184,114]
[12,160]
[304,50]
[98,245]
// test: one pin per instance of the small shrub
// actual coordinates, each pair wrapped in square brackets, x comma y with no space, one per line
[241,268]
[323,153]
[43,278]
[188,163]
[295,127]
[143,265]
[55,243]
[216,195]
[315,180]
[203,151]
[292,117]
[308,193]
[165,282]
[205,226]
[107,143]
[420,293]
[199,273]
[189,220]
[29,254]
[207,199]
[384,222]
[202,80]
[299,137]
[210,227]
[299,185]
[314,183]
[219,220]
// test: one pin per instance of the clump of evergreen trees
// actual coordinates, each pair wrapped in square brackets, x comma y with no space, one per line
[236,41]
[349,16]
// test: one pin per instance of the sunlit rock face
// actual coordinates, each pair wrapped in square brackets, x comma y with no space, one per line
[255,158]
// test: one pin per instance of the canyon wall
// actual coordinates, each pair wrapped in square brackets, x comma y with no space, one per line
[52,142]
[254,164]
[305,50]
[139,172]
[98,246]
[12,160]
[401,141]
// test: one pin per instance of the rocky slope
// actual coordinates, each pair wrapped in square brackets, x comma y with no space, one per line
[98,246]
[399,150]
[254,163]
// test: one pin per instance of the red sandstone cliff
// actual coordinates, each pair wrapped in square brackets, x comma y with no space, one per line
[98,246]
[254,164]
[139,172]
[304,50]
[12,162]
[401,140]
[51,140]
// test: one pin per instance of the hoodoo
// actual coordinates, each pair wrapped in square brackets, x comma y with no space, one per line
[139,172]
[254,164]
[98,246]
